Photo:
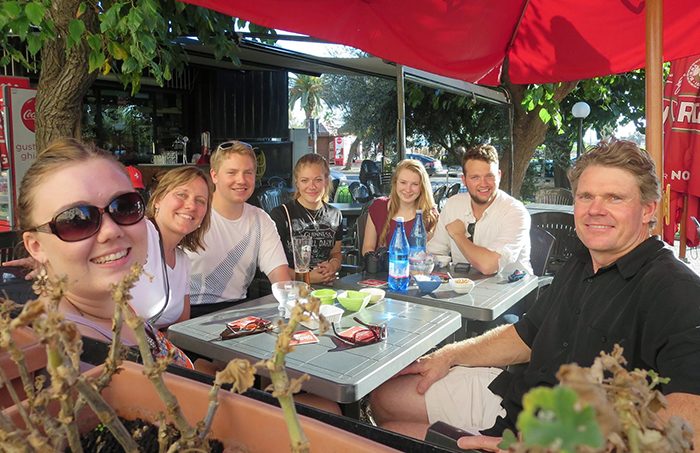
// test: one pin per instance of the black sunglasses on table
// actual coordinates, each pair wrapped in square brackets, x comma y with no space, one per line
[370,334]
[83,221]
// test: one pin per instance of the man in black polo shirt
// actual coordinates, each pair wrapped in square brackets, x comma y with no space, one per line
[626,288]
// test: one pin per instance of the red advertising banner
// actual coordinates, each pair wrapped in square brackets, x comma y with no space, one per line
[681,145]
[17,82]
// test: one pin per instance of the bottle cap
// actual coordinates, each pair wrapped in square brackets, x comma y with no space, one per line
[419,211]
[399,219]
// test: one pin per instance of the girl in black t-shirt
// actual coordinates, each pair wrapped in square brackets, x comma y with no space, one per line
[311,215]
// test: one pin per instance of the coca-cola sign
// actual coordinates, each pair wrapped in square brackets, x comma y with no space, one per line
[28,114]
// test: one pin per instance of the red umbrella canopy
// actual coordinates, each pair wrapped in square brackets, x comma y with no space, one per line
[544,40]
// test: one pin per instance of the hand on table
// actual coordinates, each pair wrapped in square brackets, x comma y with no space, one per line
[432,367]
[486,443]
[28,262]
[326,271]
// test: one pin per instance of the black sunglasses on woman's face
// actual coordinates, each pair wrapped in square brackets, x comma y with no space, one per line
[83,221]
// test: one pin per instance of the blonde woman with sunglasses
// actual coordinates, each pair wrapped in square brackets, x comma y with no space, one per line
[88,229]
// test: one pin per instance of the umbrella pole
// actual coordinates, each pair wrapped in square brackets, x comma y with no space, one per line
[683,228]
[654,90]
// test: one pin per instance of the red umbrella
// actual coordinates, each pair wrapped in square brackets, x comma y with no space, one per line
[544,40]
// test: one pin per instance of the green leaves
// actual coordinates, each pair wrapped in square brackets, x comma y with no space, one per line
[11,9]
[35,12]
[552,418]
[76,28]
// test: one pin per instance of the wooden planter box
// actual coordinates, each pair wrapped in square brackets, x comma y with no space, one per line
[35,358]
[239,420]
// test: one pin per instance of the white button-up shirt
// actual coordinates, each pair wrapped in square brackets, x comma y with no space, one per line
[504,228]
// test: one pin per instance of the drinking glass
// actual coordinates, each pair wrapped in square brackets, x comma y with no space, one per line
[302,253]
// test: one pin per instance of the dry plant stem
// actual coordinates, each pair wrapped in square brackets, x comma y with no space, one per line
[113,359]
[5,381]
[18,358]
[154,372]
[211,409]
[106,415]
[280,383]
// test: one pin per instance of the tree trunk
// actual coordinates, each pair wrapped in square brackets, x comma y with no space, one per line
[352,153]
[64,78]
[528,131]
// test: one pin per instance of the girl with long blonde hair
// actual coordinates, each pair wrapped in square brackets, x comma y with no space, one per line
[410,190]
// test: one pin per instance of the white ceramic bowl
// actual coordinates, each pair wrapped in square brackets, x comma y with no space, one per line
[330,312]
[443,260]
[461,285]
[376,293]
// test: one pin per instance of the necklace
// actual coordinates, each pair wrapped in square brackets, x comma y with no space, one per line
[151,338]
[82,313]
[313,217]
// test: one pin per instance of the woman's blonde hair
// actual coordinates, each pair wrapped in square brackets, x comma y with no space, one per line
[425,200]
[59,153]
[177,177]
[313,159]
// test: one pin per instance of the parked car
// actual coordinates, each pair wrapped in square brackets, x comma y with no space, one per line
[431,165]
[337,174]
[454,171]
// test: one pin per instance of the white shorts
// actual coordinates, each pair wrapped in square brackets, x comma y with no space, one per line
[462,399]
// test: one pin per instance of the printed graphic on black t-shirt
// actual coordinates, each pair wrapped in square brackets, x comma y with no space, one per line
[324,226]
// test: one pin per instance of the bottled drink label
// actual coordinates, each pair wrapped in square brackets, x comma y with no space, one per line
[398,269]
[398,259]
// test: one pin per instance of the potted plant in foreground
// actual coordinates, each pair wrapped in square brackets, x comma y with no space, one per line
[604,408]
[58,410]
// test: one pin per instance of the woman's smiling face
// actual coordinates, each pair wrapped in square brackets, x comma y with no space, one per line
[182,209]
[408,186]
[92,264]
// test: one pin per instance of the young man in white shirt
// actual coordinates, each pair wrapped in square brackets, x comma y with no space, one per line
[241,238]
[485,227]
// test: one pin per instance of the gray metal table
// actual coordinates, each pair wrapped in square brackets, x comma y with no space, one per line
[490,298]
[349,210]
[534,208]
[338,372]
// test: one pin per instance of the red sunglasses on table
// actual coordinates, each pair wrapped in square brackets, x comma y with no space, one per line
[371,333]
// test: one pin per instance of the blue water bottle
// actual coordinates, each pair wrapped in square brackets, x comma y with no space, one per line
[398,258]
[418,237]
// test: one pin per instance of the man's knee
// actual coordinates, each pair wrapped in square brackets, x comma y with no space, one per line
[397,400]
[377,402]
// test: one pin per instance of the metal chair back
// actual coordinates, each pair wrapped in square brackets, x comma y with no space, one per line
[439,196]
[554,195]
[541,243]
[561,226]
[453,190]
[359,192]
[270,198]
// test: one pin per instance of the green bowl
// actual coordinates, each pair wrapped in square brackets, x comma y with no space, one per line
[354,300]
[326,296]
